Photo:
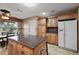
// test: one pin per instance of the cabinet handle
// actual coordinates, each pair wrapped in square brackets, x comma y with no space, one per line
[22,52]
[60,30]
[41,52]
[11,44]
[22,47]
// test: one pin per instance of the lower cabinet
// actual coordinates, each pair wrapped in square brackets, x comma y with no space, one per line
[22,50]
[41,31]
[15,48]
[52,38]
[12,48]
[41,49]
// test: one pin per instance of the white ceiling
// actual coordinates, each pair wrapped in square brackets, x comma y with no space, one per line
[21,11]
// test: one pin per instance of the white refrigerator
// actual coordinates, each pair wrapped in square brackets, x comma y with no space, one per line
[67,34]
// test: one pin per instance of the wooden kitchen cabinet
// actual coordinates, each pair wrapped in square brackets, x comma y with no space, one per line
[42,21]
[52,38]
[52,22]
[12,47]
[52,30]
[24,50]
[67,16]
[48,37]
[41,27]
[16,49]
[19,48]
[41,49]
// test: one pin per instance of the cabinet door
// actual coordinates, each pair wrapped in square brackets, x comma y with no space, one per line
[41,49]
[43,34]
[53,38]
[41,31]
[42,21]
[19,49]
[53,22]
[48,38]
[12,48]
[23,50]
[56,39]
[39,28]
[49,23]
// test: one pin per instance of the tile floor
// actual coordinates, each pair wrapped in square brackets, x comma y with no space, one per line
[55,50]
[3,51]
[52,50]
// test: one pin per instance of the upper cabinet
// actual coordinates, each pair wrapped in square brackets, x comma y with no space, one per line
[41,27]
[67,16]
[52,22]
[42,21]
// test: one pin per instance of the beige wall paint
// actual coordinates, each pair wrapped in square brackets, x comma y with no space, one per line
[78,29]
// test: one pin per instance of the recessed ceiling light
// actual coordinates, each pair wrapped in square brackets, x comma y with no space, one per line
[44,13]
[30,4]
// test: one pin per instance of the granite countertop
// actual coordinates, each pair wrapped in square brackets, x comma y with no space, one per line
[29,40]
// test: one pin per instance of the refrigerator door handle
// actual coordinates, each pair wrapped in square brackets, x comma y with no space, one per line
[60,30]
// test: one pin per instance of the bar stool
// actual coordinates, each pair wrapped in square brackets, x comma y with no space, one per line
[2,43]
[4,39]
[5,42]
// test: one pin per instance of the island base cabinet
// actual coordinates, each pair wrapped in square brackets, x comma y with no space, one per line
[15,48]
[22,50]
[41,49]
[12,48]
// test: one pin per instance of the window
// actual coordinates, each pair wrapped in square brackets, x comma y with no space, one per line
[9,27]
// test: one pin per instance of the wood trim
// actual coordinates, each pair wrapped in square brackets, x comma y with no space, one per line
[67,16]
[68,19]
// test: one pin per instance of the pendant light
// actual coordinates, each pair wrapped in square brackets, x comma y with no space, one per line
[5,14]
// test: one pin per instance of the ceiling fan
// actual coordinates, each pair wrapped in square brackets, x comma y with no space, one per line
[4,10]
[5,14]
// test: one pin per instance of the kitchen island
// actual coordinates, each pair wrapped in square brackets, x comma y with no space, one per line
[27,45]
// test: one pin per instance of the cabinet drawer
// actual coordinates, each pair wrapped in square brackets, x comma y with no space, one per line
[29,50]
[24,50]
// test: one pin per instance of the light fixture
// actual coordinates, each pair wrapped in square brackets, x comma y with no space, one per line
[43,13]
[30,4]
[4,17]
[4,14]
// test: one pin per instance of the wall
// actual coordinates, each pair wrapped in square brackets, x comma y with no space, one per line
[78,28]
[30,26]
